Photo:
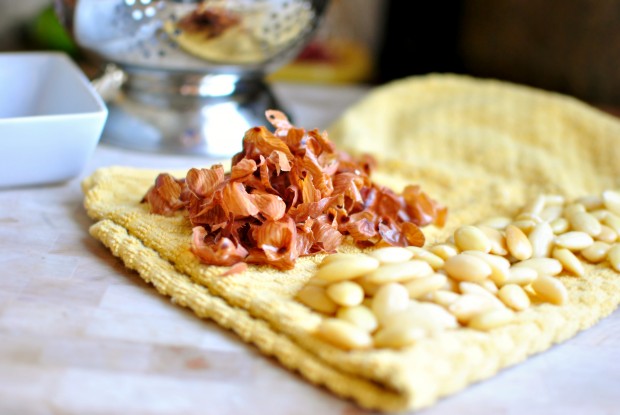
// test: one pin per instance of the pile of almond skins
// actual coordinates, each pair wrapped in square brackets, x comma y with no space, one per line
[481,278]
[290,193]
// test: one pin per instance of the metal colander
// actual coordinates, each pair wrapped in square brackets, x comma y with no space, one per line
[151,33]
[182,58]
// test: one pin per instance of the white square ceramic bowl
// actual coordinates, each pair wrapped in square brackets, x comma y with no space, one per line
[51,118]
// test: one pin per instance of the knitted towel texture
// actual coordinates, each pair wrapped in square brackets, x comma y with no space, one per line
[481,147]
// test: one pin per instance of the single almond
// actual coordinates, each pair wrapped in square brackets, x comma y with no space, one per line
[345,293]
[585,222]
[316,298]
[514,296]
[360,315]
[422,286]
[403,271]
[607,235]
[491,319]
[391,254]
[343,334]
[469,237]
[569,261]
[518,244]
[347,268]
[390,298]
[467,268]
[541,239]
[435,261]
[559,225]
[611,200]
[614,256]
[497,239]
[574,240]
[499,265]
[543,266]
[596,252]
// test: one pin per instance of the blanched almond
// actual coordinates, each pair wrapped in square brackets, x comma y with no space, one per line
[499,265]
[345,293]
[514,297]
[435,261]
[467,268]
[370,288]
[444,251]
[543,266]
[428,316]
[551,213]
[389,299]
[559,225]
[391,254]
[573,208]
[614,257]
[473,288]
[521,275]
[317,281]
[497,239]
[360,315]
[590,202]
[398,337]
[541,239]
[343,334]
[550,289]
[491,319]
[527,216]
[613,221]
[535,206]
[422,286]
[451,284]
[518,244]
[466,287]
[600,214]
[469,237]
[573,240]
[585,222]
[489,285]
[525,225]
[569,261]
[596,252]
[444,298]
[336,257]
[347,268]
[469,305]
[496,222]
[552,200]
[316,298]
[607,235]
[403,271]
[611,200]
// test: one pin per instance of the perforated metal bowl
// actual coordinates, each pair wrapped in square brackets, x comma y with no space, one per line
[195,69]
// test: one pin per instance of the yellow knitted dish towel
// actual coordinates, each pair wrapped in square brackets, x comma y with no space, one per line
[481,147]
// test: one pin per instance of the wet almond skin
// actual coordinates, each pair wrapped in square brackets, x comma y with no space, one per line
[287,197]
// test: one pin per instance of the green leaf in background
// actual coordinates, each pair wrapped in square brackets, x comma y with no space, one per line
[46,32]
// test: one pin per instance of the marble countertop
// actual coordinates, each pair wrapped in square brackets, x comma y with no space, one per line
[80,334]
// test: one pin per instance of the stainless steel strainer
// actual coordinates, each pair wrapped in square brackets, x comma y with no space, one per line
[195,69]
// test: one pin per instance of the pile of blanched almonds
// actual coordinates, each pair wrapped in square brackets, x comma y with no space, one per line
[484,274]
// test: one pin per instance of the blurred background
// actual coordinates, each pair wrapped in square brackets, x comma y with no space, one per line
[571,47]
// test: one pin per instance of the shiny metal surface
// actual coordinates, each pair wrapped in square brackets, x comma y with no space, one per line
[194,69]
[208,115]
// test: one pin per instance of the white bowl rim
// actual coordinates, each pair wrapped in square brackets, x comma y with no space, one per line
[79,75]
[36,118]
